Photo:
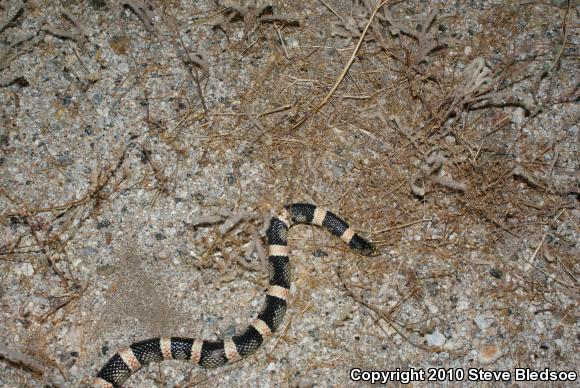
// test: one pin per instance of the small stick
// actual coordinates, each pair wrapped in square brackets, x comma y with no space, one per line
[531,260]
[21,359]
[400,226]
[275,110]
[332,10]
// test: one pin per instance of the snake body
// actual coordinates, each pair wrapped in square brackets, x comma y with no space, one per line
[214,353]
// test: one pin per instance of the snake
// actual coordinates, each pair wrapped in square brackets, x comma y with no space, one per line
[215,353]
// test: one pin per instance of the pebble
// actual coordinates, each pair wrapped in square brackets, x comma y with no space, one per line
[518,115]
[26,269]
[74,338]
[482,322]
[435,338]
[431,305]
[488,354]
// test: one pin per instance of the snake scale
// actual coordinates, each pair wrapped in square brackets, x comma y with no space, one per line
[214,353]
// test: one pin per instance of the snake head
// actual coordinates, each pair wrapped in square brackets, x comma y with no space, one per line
[363,246]
[371,250]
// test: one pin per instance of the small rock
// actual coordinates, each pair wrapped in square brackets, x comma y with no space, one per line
[271,367]
[431,305]
[27,269]
[123,67]
[435,338]
[482,322]
[488,354]
[292,288]
[453,345]
[518,115]
[547,253]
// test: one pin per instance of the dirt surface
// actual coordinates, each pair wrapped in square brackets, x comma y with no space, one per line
[145,144]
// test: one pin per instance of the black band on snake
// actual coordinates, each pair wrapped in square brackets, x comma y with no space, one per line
[211,354]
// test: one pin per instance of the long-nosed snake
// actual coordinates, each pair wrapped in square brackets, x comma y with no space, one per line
[210,353]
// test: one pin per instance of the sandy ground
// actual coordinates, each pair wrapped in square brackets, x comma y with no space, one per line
[144,145]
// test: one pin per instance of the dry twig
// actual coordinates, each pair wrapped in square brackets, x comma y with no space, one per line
[22,360]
